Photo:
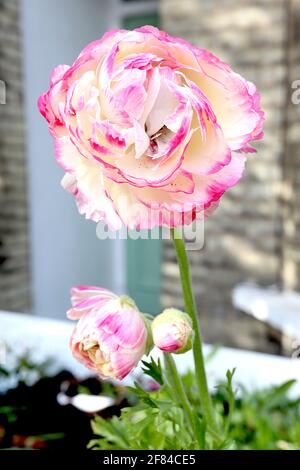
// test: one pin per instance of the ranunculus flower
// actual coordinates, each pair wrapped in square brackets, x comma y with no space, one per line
[111,335]
[172,331]
[149,129]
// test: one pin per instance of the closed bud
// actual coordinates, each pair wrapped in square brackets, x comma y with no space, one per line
[172,331]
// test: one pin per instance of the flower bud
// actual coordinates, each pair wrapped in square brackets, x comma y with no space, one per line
[172,331]
[111,335]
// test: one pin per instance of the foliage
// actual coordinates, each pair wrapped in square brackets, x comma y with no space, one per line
[157,421]
[265,419]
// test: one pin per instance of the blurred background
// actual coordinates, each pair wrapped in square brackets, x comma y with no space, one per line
[253,238]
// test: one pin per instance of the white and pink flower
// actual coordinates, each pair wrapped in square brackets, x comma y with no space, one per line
[149,129]
[172,331]
[111,334]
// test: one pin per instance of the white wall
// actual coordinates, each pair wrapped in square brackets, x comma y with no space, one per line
[64,247]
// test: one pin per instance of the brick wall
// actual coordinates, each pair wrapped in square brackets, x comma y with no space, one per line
[251,236]
[291,159]
[14,269]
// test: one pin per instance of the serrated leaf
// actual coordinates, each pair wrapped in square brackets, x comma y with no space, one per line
[110,430]
[154,370]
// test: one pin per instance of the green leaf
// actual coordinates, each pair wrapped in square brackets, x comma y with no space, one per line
[4,372]
[143,395]
[230,396]
[278,393]
[227,444]
[110,430]
[200,430]
[154,370]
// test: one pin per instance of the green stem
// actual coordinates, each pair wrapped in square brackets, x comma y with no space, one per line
[190,307]
[178,389]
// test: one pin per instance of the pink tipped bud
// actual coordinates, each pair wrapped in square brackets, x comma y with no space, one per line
[172,331]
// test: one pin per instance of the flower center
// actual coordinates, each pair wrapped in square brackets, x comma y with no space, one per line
[96,355]
[158,141]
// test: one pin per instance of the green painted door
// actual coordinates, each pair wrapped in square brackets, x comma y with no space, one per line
[144,256]
[143,273]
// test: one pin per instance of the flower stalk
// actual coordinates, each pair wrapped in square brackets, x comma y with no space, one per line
[190,307]
[176,384]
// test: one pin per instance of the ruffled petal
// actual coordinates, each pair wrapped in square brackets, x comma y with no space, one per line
[84,179]
[207,154]
[236,102]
